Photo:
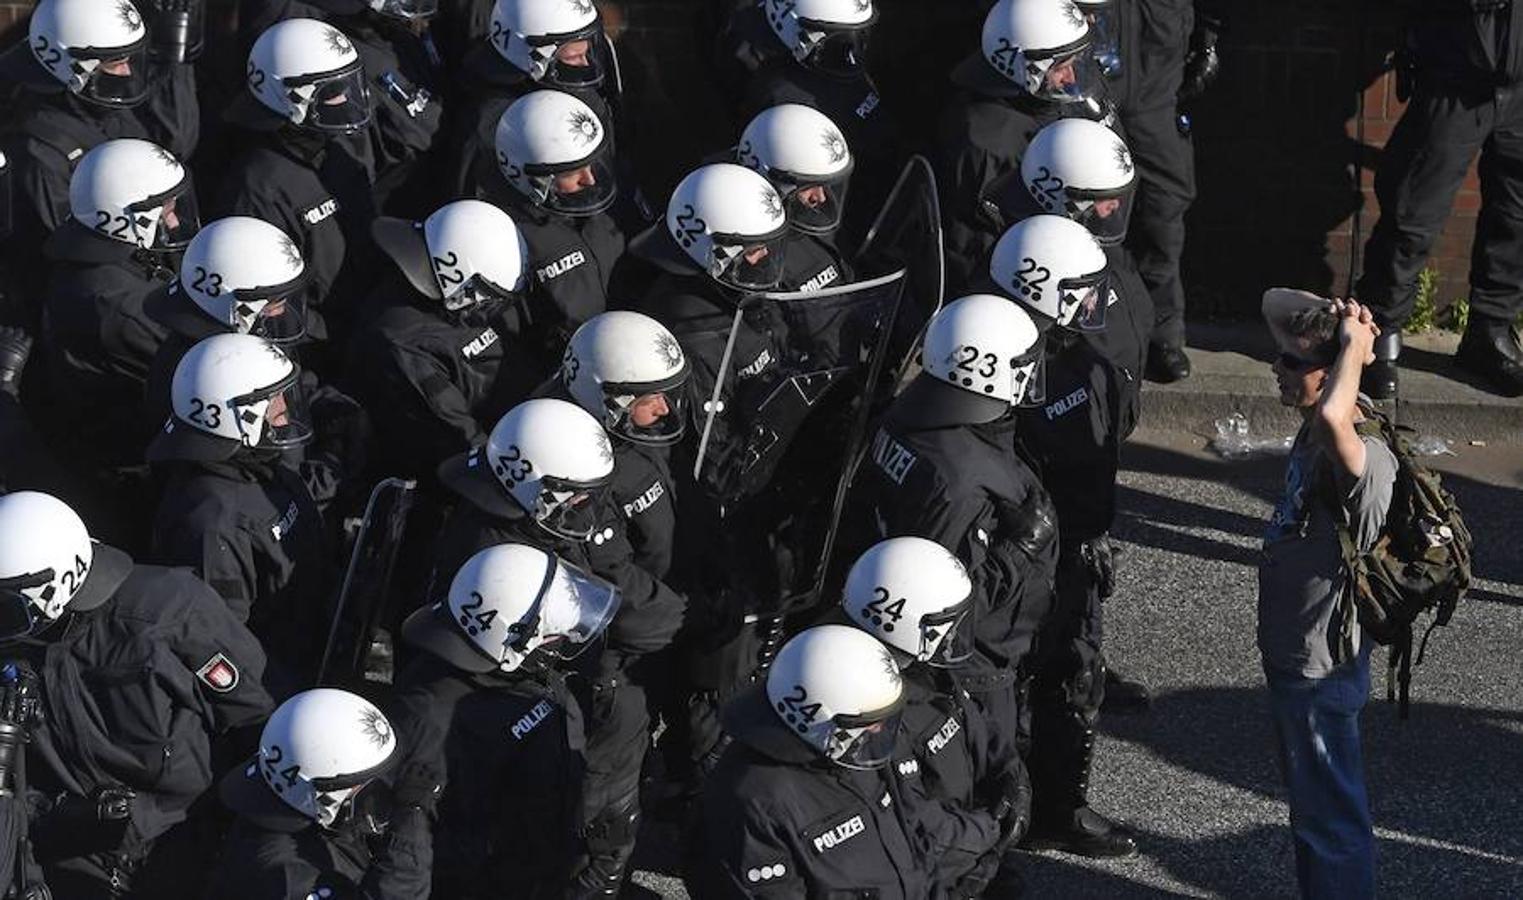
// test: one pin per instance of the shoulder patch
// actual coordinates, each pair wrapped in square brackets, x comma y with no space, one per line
[218,673]
[759,874]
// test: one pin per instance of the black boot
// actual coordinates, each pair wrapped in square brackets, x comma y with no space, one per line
[1166,364]
[1379,380]
[1061,816]
[610,844]
[1123,694]
[1490,349]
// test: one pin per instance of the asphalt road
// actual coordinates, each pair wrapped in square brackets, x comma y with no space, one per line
[1195,776]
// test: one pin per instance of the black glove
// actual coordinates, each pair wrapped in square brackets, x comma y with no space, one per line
[1032,526]
[1101,561]
[77,825]
[1202,64]
[15,347]
[1009,800]
[418,786]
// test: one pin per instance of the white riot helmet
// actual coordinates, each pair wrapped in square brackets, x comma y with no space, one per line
[510,602]
[98,49]
[545,40]
[988,346]
[231,391]
[465,254]
[730,221]
[1056,269]
[557,464]
[839,690]
[135,192]
[1083,170]
[248,276]
[553,149]
[829,35]
[913,595]
[49,564]
[624,367]
[308,73]
[805,157]
[1042,47]
[322,751]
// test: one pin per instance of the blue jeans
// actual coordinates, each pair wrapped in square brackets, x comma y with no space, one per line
[1317,723]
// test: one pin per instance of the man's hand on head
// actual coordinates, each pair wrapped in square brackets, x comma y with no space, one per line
[1356,329]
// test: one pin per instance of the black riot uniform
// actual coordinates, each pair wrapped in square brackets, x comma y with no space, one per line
[1075,438]
[779,821]
[443,378]
[572,258]
[147,667]
[980,140]
[650,614]
[99,343]
[313,190]
[248,525]
[773,76]
[51,130]
[1460,69]
[812,262]
[511,746]
[274,851]
[928,474]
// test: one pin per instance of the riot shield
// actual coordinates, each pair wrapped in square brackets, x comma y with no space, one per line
[823,343]
[364,600]
[907,235]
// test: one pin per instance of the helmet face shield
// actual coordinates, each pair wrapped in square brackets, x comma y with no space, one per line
[1106,31]
[1028,377]
[1106,216]
[570,510]
[1070,77]
[117,77]
[814,207]
[574,610]
[581,190]
[858,742]
[167,221]
[749,264]
[648,414]
[1082,302]
[580,60]
[279,319]
[841,53]
[280,415]
[335,103]
[19,606]
[408,10]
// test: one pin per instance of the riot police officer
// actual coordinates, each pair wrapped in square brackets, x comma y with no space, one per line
[944,465]
[448,350]
[306,91]
[327,807]
[812,53]
[234,509]
[131,205]
[1034,65]
[488,704]
[91,73]
[542,478]
[1074,439]
[807,160]
[915,597]
[803,802]
[138,670]
[555,176]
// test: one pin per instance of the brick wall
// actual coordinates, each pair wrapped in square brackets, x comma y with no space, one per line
[1285,181]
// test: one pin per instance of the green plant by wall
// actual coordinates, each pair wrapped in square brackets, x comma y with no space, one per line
[1425,309]
[1457,316]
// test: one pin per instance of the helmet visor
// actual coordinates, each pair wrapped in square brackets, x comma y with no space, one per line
[1082,302]
[946,638]
[120,77]
[864,745]
[650,415]
[816,207]
[340,102]
[1028,377]
[287,419]
[571,510]
[755,264]
[408,9]
[575,608]
[581,59]
[1106,217]
[280,319]
[176,212]
[18,613]
[841,53]
[1070,78]
[582,190]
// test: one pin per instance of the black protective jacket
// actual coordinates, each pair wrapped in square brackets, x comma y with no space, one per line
[251,529]
[511,750]
[1470,47]
[135,690]
[966,487]
[99,342]
[301,859]
[812,262]
[437,380]
[781,822]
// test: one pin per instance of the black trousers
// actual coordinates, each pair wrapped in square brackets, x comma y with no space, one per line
[1422,167]
[1156,236]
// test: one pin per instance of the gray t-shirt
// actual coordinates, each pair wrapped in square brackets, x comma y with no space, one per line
[1301,574]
